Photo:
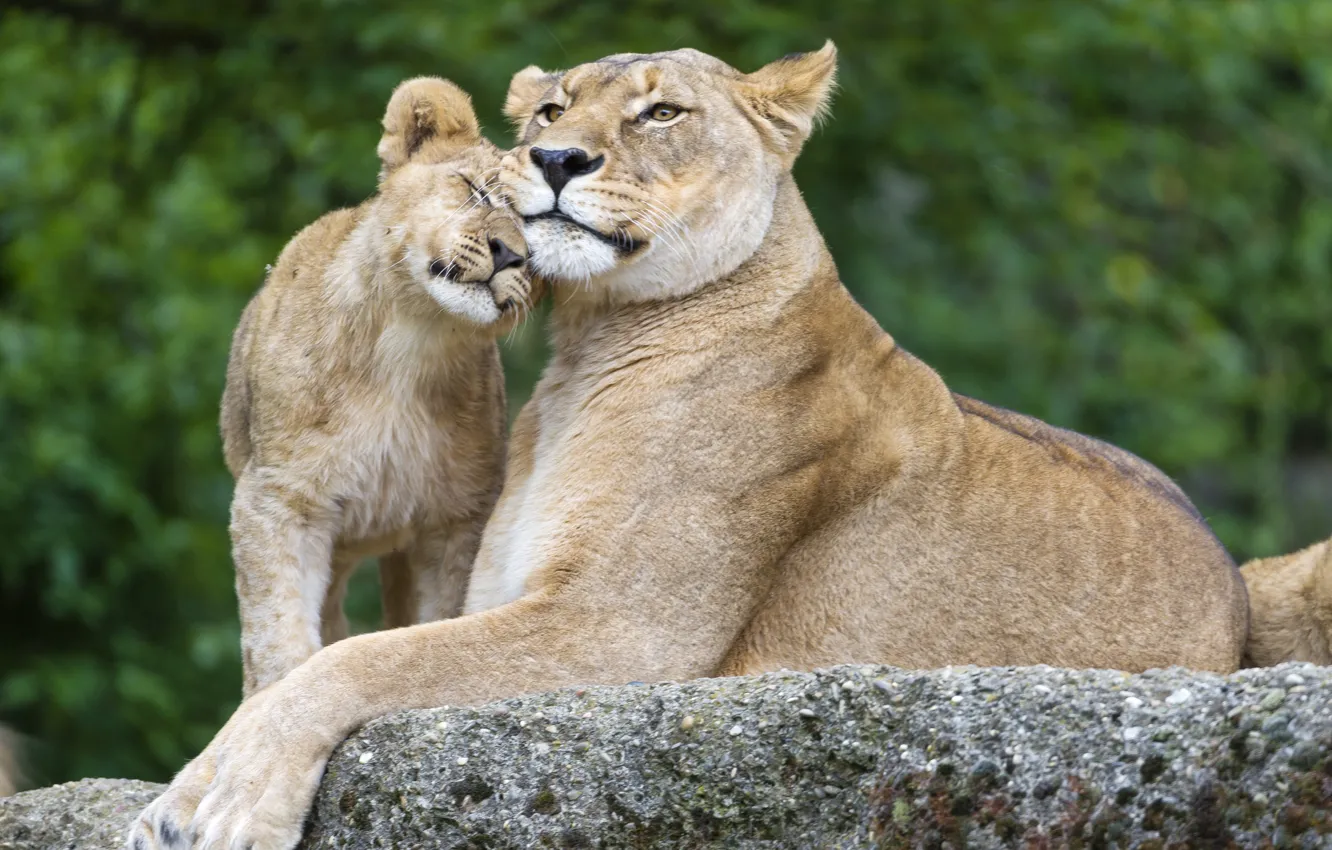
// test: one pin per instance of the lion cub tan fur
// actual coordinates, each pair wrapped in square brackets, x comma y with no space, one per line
[364,407]
[1290,603]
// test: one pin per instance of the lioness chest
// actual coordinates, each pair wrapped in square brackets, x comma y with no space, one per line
[652,409]
[534,505]
[571,448]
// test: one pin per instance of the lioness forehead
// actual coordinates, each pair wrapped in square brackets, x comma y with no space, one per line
[644,68]
[688,57]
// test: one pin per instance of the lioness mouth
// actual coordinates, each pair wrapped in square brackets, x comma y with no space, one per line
[620,241]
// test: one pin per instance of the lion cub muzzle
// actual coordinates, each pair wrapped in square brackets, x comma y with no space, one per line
[508,283]
[511,289]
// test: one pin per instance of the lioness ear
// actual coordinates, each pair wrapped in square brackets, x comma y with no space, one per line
[791,95]
[426,118]
[525,92]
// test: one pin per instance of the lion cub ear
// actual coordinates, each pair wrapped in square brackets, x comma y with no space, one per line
[427,118]
[526,89]
[791,95]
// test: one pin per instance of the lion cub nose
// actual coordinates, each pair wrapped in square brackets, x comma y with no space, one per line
[503,257]
[562,166]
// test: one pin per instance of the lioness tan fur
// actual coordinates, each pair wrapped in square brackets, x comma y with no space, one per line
[364,407]
[1290,607]
[728,466]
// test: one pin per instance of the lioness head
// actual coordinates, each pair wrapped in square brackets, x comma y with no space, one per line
[451,245]
[647,176]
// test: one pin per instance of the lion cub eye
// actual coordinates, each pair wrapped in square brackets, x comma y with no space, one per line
[448,271]
[663,112]
[478,195]
[549,114]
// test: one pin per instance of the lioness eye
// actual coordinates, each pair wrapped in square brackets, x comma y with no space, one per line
[663,112]
[551,112]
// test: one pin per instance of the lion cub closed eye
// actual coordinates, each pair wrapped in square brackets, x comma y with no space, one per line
[364,407]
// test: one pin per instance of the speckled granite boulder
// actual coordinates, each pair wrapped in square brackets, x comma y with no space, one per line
[849,757]
[90,815]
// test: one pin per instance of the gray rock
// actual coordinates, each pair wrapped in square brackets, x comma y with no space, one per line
[93,814]
[848,757]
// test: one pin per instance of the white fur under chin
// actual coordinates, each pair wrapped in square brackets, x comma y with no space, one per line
[564,252]
[470,301]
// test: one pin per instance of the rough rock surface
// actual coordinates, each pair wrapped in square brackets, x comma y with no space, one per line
[849,757]
[93,814]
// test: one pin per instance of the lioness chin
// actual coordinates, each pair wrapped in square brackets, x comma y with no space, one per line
[728,467]
[364,407]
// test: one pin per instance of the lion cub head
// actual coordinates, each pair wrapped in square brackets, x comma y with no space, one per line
[647,176]
[450,244]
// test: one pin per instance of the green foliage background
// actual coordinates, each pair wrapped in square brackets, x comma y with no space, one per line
[1113,215]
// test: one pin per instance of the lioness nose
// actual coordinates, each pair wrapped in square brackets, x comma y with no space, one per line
[562,166]
[503,256]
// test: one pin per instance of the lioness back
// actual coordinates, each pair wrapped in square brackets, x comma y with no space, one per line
[1070,447]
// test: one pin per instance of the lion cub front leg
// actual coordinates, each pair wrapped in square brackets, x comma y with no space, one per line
[282,545]
[442,561]
[397,590]
[334,619]
[428,581]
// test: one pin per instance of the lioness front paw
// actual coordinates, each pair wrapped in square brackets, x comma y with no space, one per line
[261,806]
[266,764]
[164,824]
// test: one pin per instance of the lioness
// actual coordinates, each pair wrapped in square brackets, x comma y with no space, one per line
[364,407]
[728,467]
[1290,598]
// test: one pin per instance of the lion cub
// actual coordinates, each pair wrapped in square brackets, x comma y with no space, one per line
[364,406]
[1290,607]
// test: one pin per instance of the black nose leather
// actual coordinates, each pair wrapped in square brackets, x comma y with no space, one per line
[562,166]
[503,256]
